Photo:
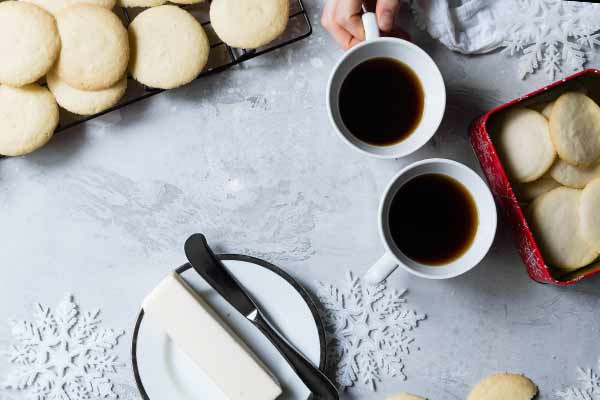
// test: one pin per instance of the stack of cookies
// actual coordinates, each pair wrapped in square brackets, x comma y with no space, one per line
[30,45]
[552,155]
[84,52]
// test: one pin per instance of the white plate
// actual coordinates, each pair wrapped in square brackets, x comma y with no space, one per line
[163,372]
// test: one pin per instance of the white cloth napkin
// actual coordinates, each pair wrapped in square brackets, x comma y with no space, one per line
[468,28]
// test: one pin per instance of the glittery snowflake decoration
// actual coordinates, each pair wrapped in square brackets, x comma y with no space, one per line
[588,387]
[63,354]
[550,35]
[369,331]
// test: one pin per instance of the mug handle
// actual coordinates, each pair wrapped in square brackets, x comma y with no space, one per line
[369,20]
[381,269]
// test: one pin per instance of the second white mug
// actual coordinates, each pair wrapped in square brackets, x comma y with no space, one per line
[482,241]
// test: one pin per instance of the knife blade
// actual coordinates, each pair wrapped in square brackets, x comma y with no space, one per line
[204,262]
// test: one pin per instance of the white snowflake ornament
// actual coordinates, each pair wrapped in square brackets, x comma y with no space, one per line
[62,355]
[588,387]
[369,331]
[550,35]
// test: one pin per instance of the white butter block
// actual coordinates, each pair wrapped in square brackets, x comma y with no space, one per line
[198,331]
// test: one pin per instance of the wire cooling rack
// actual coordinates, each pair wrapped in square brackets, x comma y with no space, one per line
[221,55]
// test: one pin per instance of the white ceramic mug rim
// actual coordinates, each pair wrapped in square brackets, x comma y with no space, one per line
[400,152]
[483,250]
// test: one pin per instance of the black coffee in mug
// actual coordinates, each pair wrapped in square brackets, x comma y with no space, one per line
[381,101]
[433,219]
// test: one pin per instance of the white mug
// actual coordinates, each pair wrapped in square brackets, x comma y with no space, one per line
[484,236]
[411,55]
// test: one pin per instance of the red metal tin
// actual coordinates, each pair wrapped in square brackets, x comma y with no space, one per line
[501,186]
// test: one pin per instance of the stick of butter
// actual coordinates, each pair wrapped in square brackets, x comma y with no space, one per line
[197,330]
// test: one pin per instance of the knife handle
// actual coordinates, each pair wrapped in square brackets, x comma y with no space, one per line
[315,380]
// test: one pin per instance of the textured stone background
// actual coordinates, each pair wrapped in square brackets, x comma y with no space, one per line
[248,157]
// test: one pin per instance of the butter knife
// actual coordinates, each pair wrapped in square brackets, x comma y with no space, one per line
[210,268]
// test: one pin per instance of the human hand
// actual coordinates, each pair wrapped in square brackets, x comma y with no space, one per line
[342,19]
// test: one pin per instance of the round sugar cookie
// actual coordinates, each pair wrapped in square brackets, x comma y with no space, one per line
[532,190]
[55,6]
[589,214]
[504,387]
[85,102]
[573,176]
[554,220]
[140,3]
[249,24]
[187,1]
[575,129]
[404,396]
[28,117]
[547,110]
[29,43]
[95,47]
[543,108]
[524,143]
[160,57]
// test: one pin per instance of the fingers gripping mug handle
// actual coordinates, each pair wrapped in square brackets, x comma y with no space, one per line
[382,269]
[370,24]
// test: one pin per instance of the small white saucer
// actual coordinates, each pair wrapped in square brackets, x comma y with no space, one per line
[163,372]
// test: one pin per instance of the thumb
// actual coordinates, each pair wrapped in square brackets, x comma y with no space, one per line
[386,11]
